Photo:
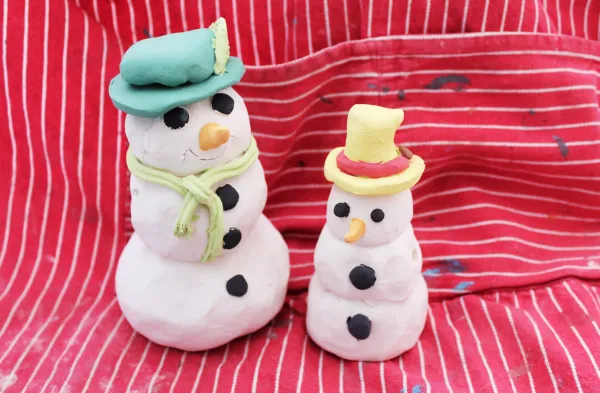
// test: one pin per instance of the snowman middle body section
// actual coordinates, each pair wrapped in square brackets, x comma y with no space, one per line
[367,299]
[164,290]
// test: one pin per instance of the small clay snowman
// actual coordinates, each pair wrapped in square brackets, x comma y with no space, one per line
[204,266]
[368,300]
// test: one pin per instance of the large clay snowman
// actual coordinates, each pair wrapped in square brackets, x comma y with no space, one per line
[368,300]
[204,266]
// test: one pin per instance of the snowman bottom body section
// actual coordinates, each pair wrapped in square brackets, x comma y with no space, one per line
[365,330]
[197,306]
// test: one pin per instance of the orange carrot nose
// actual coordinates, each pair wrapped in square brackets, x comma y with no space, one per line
[357,230]
[213,135]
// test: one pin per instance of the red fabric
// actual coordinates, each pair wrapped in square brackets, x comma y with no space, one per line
[507,211]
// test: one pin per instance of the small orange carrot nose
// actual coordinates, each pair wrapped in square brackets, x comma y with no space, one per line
[213,135]
[357,230]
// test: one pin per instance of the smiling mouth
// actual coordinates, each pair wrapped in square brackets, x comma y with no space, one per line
[206,159]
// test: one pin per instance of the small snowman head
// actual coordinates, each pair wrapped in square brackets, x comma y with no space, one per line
[182,114]
[371,203]
[189,139]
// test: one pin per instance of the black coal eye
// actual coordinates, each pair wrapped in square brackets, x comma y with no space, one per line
[377,215]
[341,210]
[176,118]
[223,103]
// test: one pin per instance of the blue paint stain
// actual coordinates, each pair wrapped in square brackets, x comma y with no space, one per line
[402,390]
[431,272]
[454,265]
[562,146]
[463,285]
[294,21]
[416,389]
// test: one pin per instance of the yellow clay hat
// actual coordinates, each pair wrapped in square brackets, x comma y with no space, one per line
[371,163]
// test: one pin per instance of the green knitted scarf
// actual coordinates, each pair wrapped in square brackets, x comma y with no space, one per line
[196,189]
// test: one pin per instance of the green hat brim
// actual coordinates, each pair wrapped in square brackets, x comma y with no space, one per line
[155,100]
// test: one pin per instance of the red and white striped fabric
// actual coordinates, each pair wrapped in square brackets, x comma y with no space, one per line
[507,211]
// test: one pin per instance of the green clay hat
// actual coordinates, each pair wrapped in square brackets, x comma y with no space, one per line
[159,74]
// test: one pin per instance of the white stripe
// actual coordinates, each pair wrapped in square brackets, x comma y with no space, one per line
[200,370]
[519,274]
[407,23]
[361,376]
[543,349]
[465,13]
[346,22]
[369,19]
[485,14]
[354,93]
[81,216]
[271,40]
[506,239]
[382,377]
[301,370]
[156,374]
[537,17]
[571,17]
[327,26]
[445,16]
[137,368]
[459,347]
[239,365]
[295,23]
[183,14]
[422,363]
[404,377]
[427,11]
[498,342]
[522,15]
[286,31]
[217,8]
[516,299]
[320,372]
[178,374]
[548,26]
[594,299]
[497,297]
[33,274]
[167,16]
[301,250]
[238,42]
[500,255]
[284,346]
[11,129]
[132,21]
[504,194]
[514,329]
[101,353]
[560,341]
[586,16]
[150,18]
[124,352]
[504,13]
[201,13]
[308,28]
[295,266]
[503,208]
[253,29]
[262,353]
[389,22]
[558,23]
[478,344]
[506,178]
[439,348]
[341,375]
[218,372]
[576,298]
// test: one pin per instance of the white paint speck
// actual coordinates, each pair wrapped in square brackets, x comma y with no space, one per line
[7,381]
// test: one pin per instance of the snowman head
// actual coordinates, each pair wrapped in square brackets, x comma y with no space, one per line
[191,138]
[367,220]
